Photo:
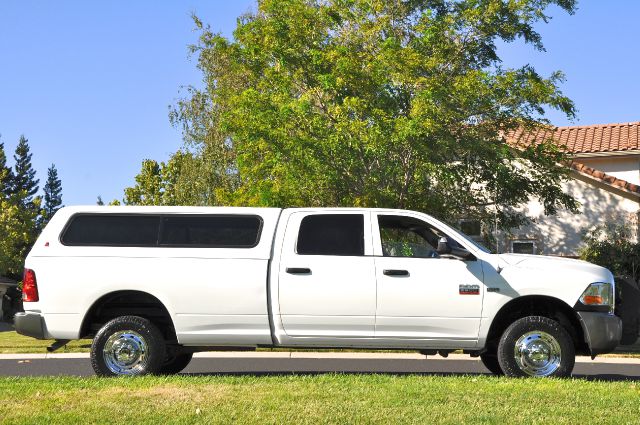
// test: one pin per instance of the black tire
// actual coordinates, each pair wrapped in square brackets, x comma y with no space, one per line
[175,364]
[554,353]
[490,361]
[128,345]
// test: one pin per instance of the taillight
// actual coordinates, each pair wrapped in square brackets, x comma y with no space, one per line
[29,286]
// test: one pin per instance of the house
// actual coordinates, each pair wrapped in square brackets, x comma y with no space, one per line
[605,179]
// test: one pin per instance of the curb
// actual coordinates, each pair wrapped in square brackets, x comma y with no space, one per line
[315,355]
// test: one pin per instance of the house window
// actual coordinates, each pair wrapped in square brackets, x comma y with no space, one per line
[523,247]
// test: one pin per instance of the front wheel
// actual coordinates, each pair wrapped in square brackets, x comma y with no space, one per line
[536,346]
[128,345]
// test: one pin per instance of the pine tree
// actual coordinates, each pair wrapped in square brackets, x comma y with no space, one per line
[52,194]
[23,182]
[6,176]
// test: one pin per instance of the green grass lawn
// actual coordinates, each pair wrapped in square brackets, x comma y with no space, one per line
[11,342]
[330,398]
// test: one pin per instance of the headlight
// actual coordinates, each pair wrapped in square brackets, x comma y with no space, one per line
[599,294]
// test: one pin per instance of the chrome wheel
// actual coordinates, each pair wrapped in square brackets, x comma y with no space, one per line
[537,353]
[125,353]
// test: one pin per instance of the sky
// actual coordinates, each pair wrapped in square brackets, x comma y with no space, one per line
[90,83]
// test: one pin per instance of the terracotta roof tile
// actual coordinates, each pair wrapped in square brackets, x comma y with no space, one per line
[606,178]
[584,139]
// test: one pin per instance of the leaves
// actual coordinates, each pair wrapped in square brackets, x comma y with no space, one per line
[401,104]
[52,195]
[21,216]
[612,246]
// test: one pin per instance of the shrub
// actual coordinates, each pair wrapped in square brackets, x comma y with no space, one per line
[611,246]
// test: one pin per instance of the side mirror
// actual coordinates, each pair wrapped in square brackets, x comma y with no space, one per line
[443,246]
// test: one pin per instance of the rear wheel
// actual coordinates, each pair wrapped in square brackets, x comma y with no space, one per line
[176,363]
[536,346]
[128,345]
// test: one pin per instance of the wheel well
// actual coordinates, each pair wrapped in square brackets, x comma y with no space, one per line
[537,305]
[126,303]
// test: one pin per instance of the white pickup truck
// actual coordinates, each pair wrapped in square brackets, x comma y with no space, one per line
[153,285]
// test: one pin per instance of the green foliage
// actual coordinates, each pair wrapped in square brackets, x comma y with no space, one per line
[6,175]
[367,103]
[186,179]
[611,246]
[17,234]
[376,103]
[21,216]
[23,183]
[52,195]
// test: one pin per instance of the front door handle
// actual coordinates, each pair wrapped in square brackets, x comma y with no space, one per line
[298,270]
[393,272]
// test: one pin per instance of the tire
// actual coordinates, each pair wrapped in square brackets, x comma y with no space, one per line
[553,351]
[490,361]
[128,345]
[175,364]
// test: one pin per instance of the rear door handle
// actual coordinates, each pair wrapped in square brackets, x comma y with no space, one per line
[298,270]
[394,272]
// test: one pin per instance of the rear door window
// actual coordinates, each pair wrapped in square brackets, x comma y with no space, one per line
[331,234]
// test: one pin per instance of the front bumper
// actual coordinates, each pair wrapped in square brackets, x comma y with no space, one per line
[30,324]
[602,331]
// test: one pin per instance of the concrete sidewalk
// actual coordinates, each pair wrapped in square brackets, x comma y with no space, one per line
[313,355]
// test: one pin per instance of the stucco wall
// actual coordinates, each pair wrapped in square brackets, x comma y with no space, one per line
[625,168]
[561,234]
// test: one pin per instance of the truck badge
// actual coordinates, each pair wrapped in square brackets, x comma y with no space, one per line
[469,289]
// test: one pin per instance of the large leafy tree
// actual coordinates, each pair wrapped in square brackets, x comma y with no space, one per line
[52,194]
[375,103]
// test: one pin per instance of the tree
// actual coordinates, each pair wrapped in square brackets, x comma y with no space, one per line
[149,188]
[24,184]
[186,179]
[16,237]
[19,210]
[399,104]
[6,175]
[99,201]
[52,194]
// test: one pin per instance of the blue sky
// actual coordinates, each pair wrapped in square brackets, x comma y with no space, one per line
[90,82]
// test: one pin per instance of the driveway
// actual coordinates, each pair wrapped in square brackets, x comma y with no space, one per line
[284,363]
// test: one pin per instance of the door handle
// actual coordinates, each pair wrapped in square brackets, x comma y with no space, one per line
[393,272]
[298,270]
